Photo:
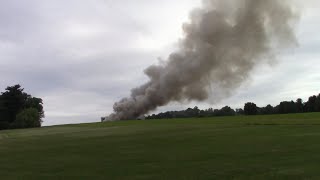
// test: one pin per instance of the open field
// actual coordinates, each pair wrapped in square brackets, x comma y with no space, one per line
[257,147]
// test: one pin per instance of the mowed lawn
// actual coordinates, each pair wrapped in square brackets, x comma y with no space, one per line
[255,147]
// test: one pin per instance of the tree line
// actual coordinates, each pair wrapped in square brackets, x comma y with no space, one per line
[250,108]
[19,109]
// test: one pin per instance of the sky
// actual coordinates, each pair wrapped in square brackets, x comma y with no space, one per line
[81,56]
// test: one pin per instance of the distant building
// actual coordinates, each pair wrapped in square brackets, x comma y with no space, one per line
[142,117]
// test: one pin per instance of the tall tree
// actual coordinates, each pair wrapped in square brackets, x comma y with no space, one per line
[317,104]
[14,101]
[250,108]
[299,105]
[310,106]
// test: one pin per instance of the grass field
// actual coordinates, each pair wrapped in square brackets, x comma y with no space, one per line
[257,147]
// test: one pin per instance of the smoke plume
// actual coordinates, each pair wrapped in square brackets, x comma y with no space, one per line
[222,44]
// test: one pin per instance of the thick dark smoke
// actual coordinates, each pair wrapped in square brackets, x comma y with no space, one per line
[223,42]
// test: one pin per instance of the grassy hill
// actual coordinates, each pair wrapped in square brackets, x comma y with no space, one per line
[257,147]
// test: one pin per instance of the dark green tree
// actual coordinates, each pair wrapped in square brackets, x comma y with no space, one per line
[310,106]
[267,110]
[250,108]
[37,103]
[317,104]
[13,102]
[27,118]
[287,107]
[240,111]
[299,105]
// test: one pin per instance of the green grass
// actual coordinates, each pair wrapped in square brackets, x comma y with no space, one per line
[257,147]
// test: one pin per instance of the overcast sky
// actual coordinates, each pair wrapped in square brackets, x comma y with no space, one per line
[81,56]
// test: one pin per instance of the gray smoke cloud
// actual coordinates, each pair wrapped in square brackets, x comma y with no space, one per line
[223,42]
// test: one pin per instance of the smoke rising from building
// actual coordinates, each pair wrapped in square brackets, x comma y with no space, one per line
[222,44]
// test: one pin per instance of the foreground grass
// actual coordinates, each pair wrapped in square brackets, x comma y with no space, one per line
[257,147]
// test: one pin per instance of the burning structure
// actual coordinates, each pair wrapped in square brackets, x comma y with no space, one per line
[223,42]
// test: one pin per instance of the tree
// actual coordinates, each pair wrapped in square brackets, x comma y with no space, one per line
[192,112]
[196,111]
[310,106]
[226,111]
[250,108]
[13,102]
[27,118]
[317,105]
[287,107]
[37,103]
[240,111]
[299,105]
[267,110]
